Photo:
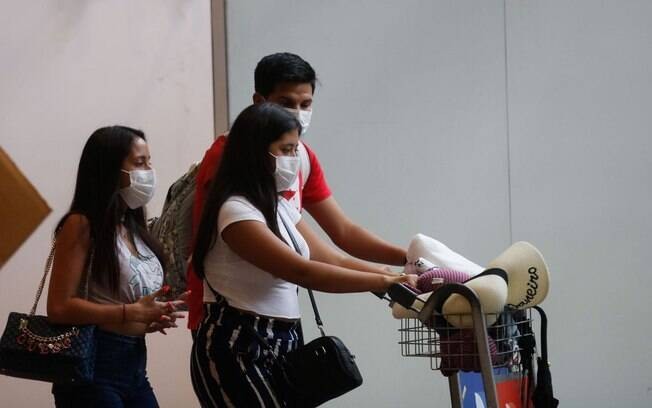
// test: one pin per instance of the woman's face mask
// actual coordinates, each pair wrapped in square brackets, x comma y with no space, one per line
[287,171]
[141,188]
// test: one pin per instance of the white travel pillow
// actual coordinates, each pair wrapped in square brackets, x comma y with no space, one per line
[400,312]
[423,246]
[491,289]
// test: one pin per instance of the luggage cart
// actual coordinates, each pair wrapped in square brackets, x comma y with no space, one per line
[487,341]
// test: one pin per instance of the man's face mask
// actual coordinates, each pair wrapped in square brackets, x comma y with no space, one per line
[303,116]
[287,171]
[140,189]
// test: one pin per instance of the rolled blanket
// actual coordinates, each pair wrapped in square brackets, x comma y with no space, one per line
[439,254]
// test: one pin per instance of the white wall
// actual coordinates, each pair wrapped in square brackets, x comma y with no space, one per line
[581,159]
[479,122]
[69,67]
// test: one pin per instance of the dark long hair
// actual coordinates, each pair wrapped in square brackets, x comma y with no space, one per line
[97,198]
[246,169]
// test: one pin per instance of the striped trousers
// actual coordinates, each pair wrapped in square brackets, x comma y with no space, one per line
[229,367]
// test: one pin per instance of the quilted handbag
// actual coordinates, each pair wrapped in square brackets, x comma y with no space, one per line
[33,348]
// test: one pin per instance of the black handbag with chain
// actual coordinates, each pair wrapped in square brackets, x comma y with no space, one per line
[33,348]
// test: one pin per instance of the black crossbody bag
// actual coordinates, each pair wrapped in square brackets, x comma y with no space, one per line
[318,371]
[315,372]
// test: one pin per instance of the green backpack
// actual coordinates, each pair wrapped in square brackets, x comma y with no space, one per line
[173,229]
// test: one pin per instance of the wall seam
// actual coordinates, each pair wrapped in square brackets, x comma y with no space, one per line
[220,95]
[507,126]
[226,64]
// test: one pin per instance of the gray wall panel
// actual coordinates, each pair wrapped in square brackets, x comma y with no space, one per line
[579,107]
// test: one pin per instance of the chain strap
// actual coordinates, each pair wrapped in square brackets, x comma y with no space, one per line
[48,267]
[51,344]
[42,344]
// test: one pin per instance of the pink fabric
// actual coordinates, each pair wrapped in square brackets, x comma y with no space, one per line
[459,351]
[425,284]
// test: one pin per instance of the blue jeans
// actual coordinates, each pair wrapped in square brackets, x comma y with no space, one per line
[120,377]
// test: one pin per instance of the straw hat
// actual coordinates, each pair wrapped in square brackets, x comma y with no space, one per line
[527,272]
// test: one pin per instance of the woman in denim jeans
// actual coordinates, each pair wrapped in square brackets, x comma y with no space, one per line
[108,270]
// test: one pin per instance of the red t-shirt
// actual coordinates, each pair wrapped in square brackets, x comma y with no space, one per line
[314,190]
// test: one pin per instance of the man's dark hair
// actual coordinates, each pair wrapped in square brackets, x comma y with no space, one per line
[279,68]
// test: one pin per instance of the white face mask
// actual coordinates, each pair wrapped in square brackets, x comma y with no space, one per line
[303,116]
[287,171]
[141,189]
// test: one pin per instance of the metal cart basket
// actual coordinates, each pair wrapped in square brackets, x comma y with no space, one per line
[486,341]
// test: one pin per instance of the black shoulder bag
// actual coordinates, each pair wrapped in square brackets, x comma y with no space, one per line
[33,348]
[318,371]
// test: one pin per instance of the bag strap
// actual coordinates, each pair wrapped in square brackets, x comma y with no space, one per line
[320,324]
[48,268]
[305,164]
[544,334]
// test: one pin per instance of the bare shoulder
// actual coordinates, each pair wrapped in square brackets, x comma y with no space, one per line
[75,228]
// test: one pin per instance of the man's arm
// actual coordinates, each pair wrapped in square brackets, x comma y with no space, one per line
[352,238]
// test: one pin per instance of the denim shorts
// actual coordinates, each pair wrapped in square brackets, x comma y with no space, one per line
[120,377]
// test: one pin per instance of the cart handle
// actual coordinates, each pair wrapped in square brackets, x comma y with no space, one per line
[399,293]
[434,304]
[438,297]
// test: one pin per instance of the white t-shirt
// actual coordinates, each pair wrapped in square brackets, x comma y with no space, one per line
[242,284]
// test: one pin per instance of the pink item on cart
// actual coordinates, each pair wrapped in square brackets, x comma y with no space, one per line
[459,352]
[425,282]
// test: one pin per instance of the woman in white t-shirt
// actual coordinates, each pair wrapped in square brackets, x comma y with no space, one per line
[244,253]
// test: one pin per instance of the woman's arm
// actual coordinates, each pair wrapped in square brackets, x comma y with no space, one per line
[65,307]
[322,252]
[254,242]
[351,237]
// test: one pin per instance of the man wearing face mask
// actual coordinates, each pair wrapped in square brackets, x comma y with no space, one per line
[288,80]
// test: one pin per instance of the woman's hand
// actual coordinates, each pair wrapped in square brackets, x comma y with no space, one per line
[408,279]
[149,310]
[167,324]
